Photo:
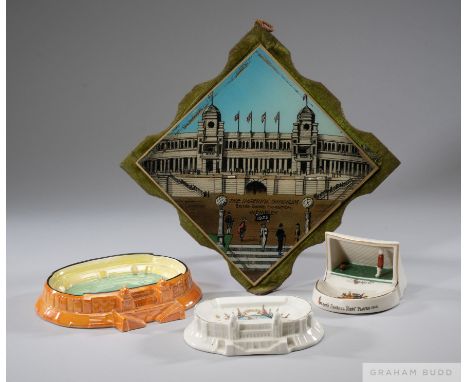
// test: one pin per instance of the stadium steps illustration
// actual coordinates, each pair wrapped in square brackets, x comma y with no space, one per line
[253,257]
[348,189]
[179,187]
[339,191]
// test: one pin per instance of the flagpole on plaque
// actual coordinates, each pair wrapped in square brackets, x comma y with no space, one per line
[237,118]
[249,119]
[264,128]
[277,120]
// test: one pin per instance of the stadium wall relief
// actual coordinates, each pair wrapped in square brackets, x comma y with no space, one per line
[260,162]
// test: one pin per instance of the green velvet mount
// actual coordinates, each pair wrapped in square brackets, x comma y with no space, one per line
[377,152]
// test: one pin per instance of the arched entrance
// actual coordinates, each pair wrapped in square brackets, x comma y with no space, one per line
[255,187]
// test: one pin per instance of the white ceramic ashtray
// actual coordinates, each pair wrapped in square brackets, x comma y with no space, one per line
[362,275]
[253,325]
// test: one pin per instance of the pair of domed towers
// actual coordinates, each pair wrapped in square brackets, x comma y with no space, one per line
[301,142]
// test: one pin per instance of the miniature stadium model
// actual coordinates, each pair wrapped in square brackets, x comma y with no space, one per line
[123,291]
[253,325]
[362,275]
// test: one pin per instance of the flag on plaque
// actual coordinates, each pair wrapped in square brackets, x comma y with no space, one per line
[236,117]
[249,117]
[277,116]
[263,117]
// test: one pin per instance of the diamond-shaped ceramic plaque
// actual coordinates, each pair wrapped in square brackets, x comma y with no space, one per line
[260,162]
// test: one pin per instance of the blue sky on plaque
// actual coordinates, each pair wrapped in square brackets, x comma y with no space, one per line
[258,85]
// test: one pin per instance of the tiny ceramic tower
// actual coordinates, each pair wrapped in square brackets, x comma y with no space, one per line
[233,328]
[127,302]
[276,325]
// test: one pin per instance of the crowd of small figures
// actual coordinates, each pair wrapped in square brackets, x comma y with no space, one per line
[352,296]
[253,314]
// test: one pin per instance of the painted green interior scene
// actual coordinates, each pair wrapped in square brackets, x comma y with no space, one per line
[257,164]
[112,283]
[364,272]
[361,261]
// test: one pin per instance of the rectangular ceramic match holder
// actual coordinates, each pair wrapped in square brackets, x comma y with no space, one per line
[361,276]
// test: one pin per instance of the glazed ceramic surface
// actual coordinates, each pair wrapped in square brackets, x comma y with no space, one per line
[253,325]
[362,275]
[124,291]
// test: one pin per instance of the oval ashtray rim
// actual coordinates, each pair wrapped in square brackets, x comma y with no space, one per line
[108,257]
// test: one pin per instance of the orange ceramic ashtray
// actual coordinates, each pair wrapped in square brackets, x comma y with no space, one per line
[122,291]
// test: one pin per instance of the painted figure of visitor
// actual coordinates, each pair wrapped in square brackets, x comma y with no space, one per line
[280,235]
[242,229]
[297,232]
[229,222]
[380,263]
[263,235]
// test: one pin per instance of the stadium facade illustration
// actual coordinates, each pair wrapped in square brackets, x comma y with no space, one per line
[214,161]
